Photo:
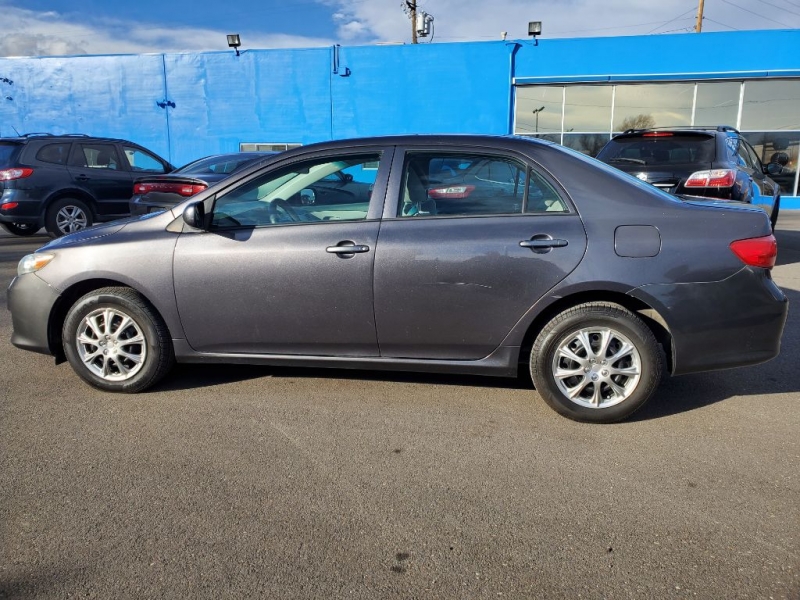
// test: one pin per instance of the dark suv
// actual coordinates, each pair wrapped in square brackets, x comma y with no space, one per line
[712,162]
[68,182]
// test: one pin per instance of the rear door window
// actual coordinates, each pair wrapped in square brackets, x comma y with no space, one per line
[96,156]
[444,184]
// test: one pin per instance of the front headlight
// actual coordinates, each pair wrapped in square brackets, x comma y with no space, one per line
[34,262]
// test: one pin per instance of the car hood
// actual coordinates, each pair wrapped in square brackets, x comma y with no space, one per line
[97,231]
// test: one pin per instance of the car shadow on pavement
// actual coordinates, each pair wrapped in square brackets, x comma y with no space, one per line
[192,376]
[788,246]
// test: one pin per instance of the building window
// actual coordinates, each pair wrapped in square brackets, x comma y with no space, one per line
[266,146]
[584,117]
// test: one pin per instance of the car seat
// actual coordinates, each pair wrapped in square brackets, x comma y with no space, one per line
[415,195]
[104,160]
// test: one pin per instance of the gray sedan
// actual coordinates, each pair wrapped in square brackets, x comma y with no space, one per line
[594,281]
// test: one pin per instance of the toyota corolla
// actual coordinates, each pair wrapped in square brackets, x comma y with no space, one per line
[595,282]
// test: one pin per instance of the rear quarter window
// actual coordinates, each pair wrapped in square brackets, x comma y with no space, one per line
[53,153]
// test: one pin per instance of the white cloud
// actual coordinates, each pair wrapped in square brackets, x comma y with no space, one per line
[32,33]
[465,20]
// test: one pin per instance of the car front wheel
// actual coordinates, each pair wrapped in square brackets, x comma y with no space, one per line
[116,341]
[596,362]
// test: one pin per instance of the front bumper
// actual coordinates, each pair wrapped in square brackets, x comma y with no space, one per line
[735,322]
[31,303]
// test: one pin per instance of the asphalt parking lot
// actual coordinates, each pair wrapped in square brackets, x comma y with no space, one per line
[245,482]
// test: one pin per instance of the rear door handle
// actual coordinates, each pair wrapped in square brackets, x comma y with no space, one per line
[82,178]
[347,249]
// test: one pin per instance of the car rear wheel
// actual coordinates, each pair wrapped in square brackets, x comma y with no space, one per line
[67,215]
[596,362]
[20,229]
[116,341]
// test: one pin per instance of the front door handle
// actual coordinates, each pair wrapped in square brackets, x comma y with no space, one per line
[82,178]
[543,243]
[347,248]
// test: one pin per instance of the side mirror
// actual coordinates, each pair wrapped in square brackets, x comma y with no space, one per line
[194,215]
[773,169]
[308,197]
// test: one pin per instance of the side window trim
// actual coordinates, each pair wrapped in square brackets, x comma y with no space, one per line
[395,187]
[377,198]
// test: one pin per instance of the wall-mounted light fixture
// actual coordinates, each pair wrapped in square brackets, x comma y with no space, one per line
[234,42]
[534,29]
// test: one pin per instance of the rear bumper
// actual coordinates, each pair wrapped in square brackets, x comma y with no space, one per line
[719,325]
[31,302]
[26,209]
[153,202]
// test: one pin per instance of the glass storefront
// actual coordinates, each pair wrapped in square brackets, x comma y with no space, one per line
[584,117]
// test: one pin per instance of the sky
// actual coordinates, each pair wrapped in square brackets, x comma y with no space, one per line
[66,27]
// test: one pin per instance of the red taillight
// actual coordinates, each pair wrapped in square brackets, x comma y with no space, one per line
[658,134]
[16,173]
[184,189]
[715,178]
[9,205]
[453,192]
[757,252]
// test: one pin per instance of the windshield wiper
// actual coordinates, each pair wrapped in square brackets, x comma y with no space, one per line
[637,161]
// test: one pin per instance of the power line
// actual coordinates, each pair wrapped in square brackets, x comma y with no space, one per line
[671,20]
[779,7]
[718,23]
[661,24]
[754,13]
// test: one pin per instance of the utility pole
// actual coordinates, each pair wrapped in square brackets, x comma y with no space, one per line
[699,26]
[412,7]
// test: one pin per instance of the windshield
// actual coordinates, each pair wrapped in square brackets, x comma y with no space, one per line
[7,151]
[663,149]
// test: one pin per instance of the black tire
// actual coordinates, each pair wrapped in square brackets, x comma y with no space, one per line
[117,366]
[20,229]
[67,215]
[611,396]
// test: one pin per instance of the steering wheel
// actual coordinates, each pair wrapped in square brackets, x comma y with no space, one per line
[279,207]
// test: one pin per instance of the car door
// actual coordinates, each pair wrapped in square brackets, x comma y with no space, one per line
[451,284]
[98,169]
[268,277]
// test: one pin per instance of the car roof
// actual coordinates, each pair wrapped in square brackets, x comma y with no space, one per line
[27,137]
[684,129]
[450,139]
